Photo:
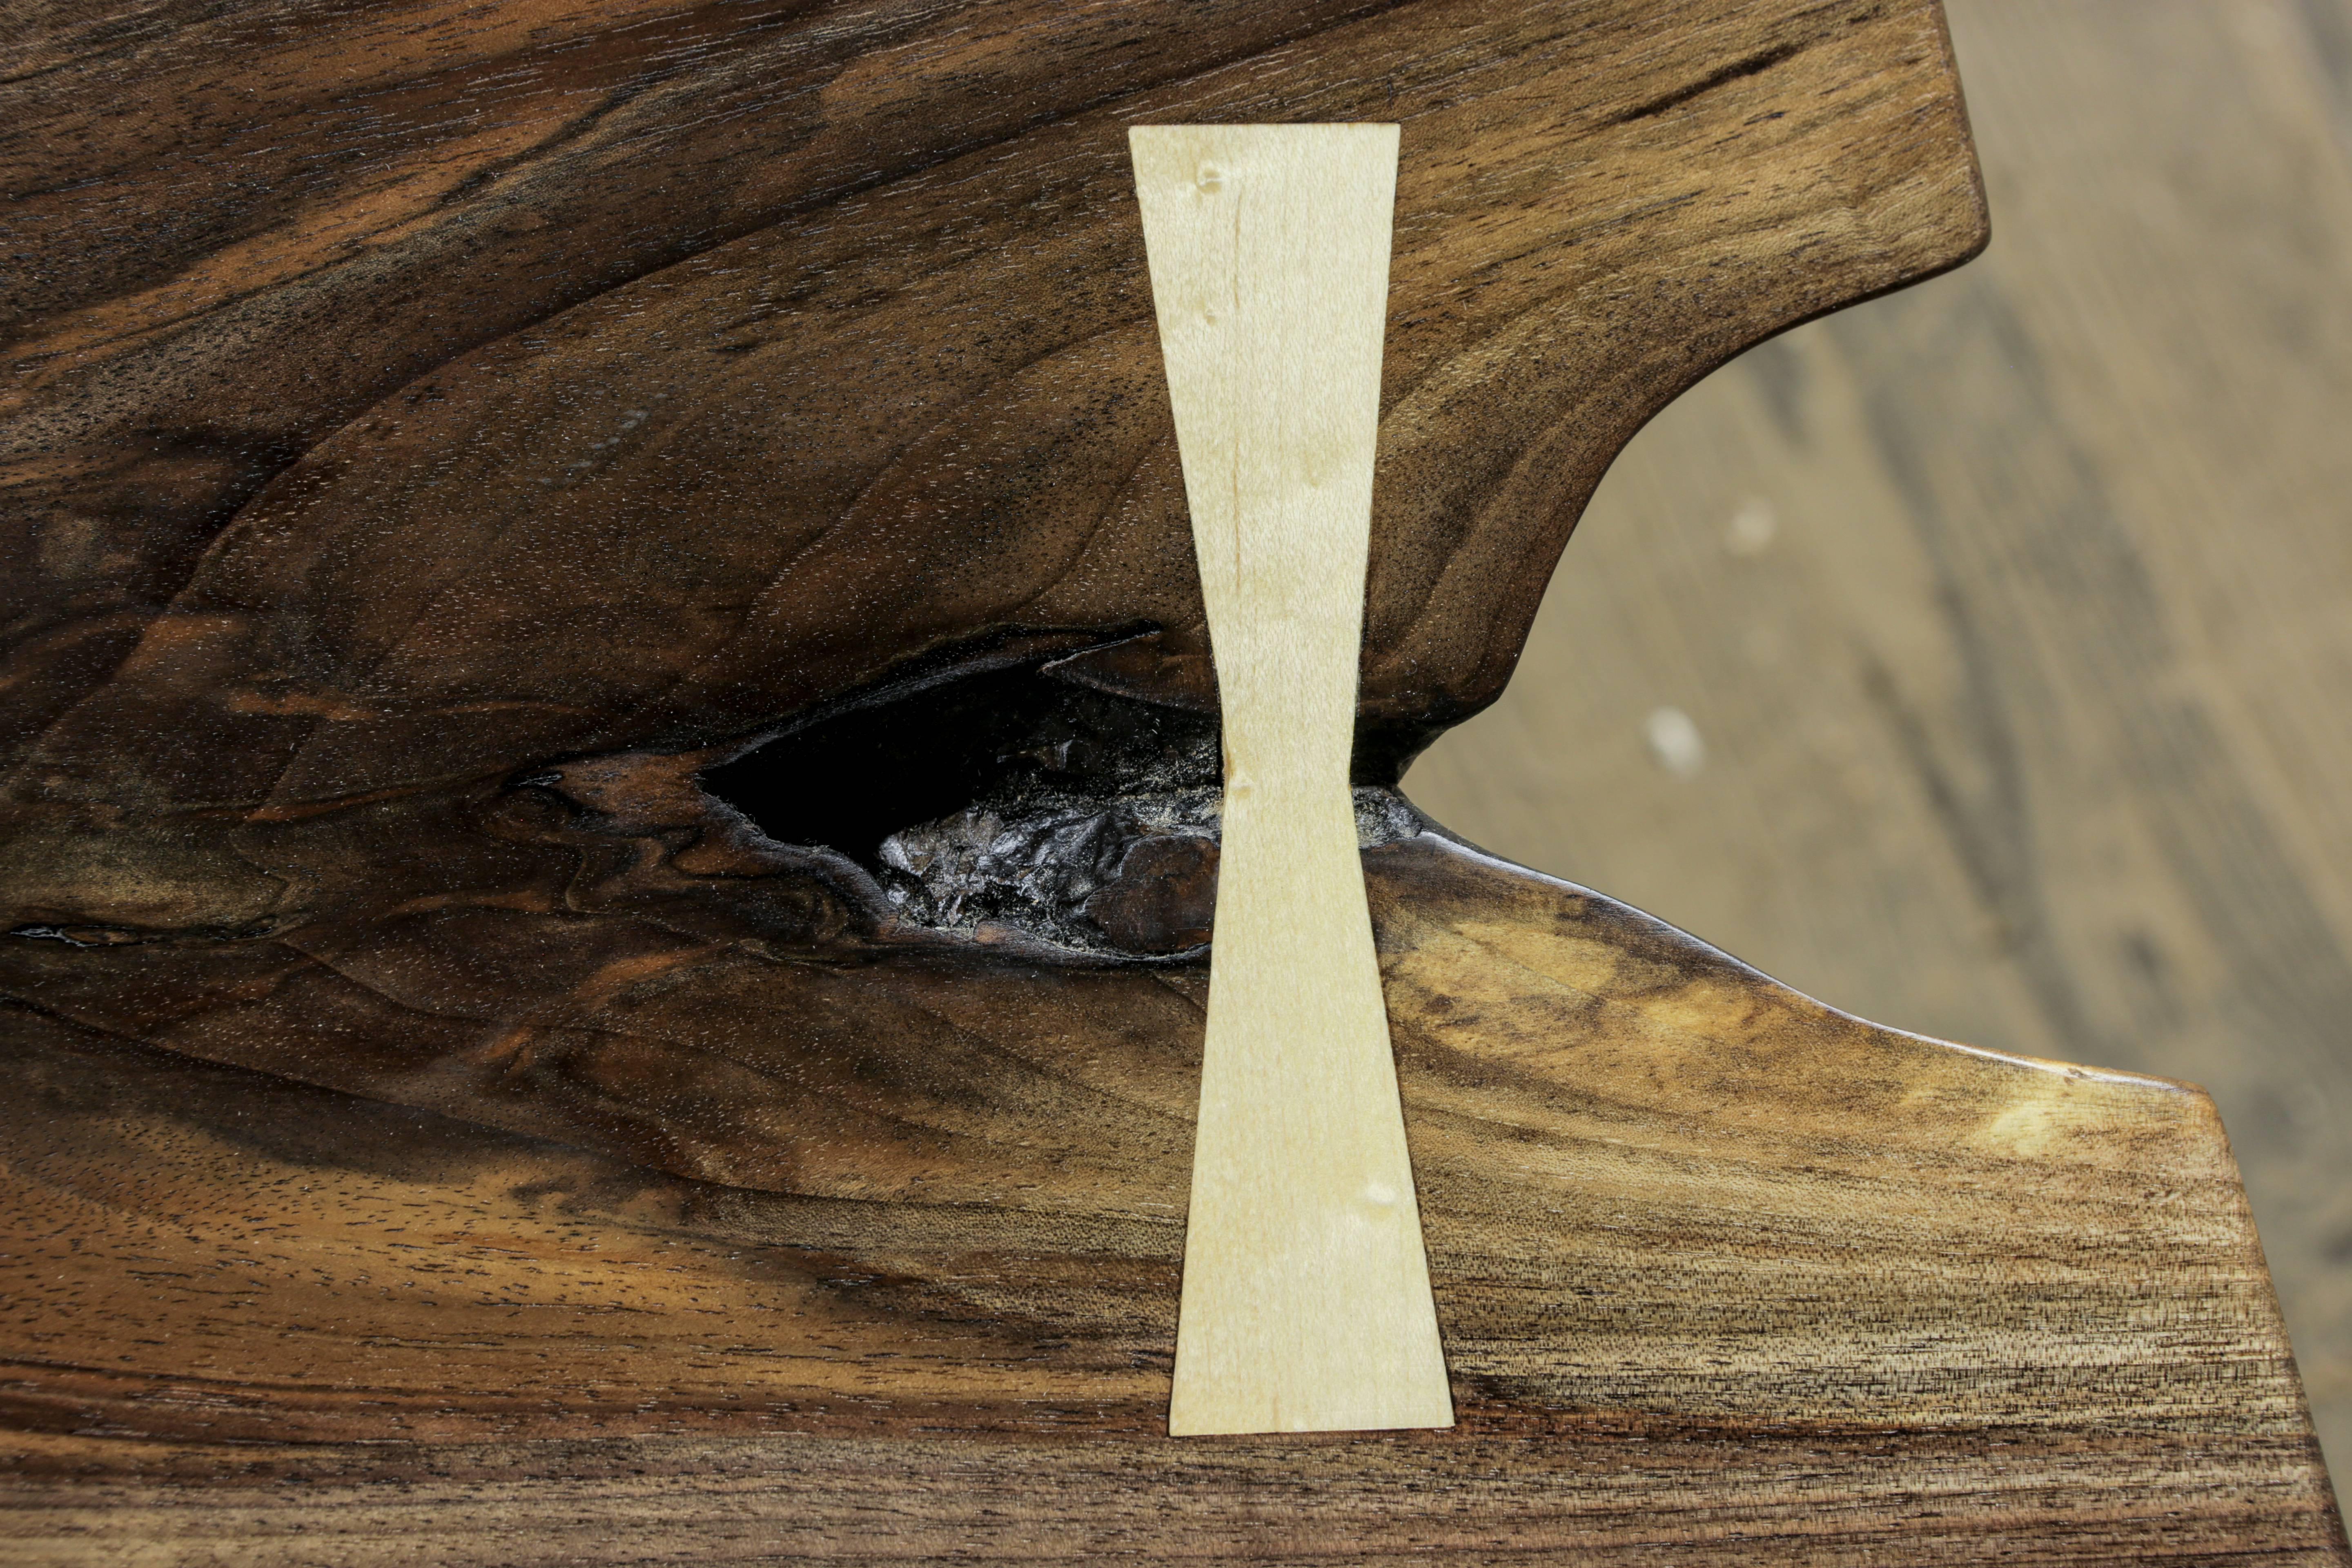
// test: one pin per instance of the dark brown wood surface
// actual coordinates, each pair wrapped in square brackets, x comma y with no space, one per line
[685,451]
[607,827]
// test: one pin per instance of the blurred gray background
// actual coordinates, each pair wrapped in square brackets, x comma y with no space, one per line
[1979,660]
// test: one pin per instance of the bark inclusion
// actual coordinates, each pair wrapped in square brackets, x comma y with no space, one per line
[1014,799]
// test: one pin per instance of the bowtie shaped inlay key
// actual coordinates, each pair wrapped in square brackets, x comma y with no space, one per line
[1306,1302]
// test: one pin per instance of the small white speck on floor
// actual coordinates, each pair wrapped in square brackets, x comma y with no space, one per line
[1675,740]
[1752,528]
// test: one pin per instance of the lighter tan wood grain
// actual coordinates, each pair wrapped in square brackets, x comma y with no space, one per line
[1306,1304]
[1729,1279]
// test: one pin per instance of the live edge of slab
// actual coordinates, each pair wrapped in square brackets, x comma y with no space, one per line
[1725,1276]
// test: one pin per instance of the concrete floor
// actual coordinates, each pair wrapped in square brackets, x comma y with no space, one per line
[1979,660]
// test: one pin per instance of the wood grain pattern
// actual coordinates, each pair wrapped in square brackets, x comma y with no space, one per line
[2026,717]
[610,806]
[1306,1304]
[1726,1276]
[829,368]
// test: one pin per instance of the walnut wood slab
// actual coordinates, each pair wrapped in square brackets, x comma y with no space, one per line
[1724,1277]
[608,826]
[1306,1302]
